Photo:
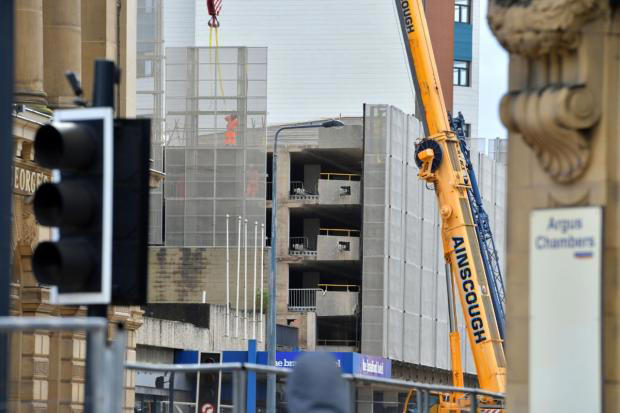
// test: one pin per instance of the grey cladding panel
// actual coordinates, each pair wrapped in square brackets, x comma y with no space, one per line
[404,284]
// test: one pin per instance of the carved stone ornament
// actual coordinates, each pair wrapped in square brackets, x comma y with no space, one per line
[554,102]
[536,27]
[550,121]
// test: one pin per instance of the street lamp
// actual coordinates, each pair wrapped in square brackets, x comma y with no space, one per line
[271,317]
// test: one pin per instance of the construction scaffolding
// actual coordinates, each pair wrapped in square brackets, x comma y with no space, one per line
[215,148]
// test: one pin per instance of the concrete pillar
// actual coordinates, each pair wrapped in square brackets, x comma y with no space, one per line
[283,234]
[282,291]
[390,401]
[29,52]
[311,331]
[62,52]
[365,399]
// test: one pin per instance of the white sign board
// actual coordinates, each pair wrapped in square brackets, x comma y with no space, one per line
[565,365]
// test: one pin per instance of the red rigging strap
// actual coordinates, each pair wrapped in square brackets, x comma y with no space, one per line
[214,7]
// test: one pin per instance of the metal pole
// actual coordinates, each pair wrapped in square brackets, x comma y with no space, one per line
[96,385]
[418,400]
[171,393]
[245,279]
[227,279]
[238,277]
[474,403]
[198,386]
[271,320]
[95,348]
[6,172]
[254,283]
[219,390]
[352,396]
[239,377]
[116,365]
[262,284]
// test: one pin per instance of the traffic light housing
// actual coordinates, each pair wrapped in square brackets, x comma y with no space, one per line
[132,150]
[79,148]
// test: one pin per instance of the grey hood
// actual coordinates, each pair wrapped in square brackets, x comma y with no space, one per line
[316,386]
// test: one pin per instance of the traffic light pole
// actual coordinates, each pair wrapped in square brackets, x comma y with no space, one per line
[6,171]
[103,95]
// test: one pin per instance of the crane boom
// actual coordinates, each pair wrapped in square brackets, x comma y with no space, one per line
[490,257]
[442,163]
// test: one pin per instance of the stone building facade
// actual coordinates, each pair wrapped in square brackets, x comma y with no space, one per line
[561,112]
[52,37]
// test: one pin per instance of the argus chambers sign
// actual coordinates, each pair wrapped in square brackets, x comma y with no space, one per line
[565,302]
[27,178]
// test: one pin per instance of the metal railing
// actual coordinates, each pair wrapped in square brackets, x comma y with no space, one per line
[350,288]
[477,400]
[302,299]
[300,246]
[299,192]
[105,364]
[339,232]
[340,176]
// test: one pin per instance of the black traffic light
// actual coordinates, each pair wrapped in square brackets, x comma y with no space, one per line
[79,147]
[132,140]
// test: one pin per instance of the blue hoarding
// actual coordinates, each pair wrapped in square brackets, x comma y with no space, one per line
[353,363]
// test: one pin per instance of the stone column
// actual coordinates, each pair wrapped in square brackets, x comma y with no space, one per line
[29,52]
[109,32]
[98,38]
[128,29]
[62,52]
[562,115]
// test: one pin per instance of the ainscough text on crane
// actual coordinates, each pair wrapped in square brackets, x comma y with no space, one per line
[404,5]
[471,298]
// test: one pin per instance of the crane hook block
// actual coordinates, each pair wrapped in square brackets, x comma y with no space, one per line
[428,144]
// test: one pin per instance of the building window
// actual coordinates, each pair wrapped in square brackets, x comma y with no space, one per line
[461,73]
[462,11]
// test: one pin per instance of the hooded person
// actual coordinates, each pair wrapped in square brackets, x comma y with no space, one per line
[316,386]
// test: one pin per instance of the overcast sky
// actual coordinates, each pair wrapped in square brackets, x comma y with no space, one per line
[328,57]
[493,79]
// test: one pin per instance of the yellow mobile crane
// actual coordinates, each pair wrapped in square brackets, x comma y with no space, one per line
[441,162]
